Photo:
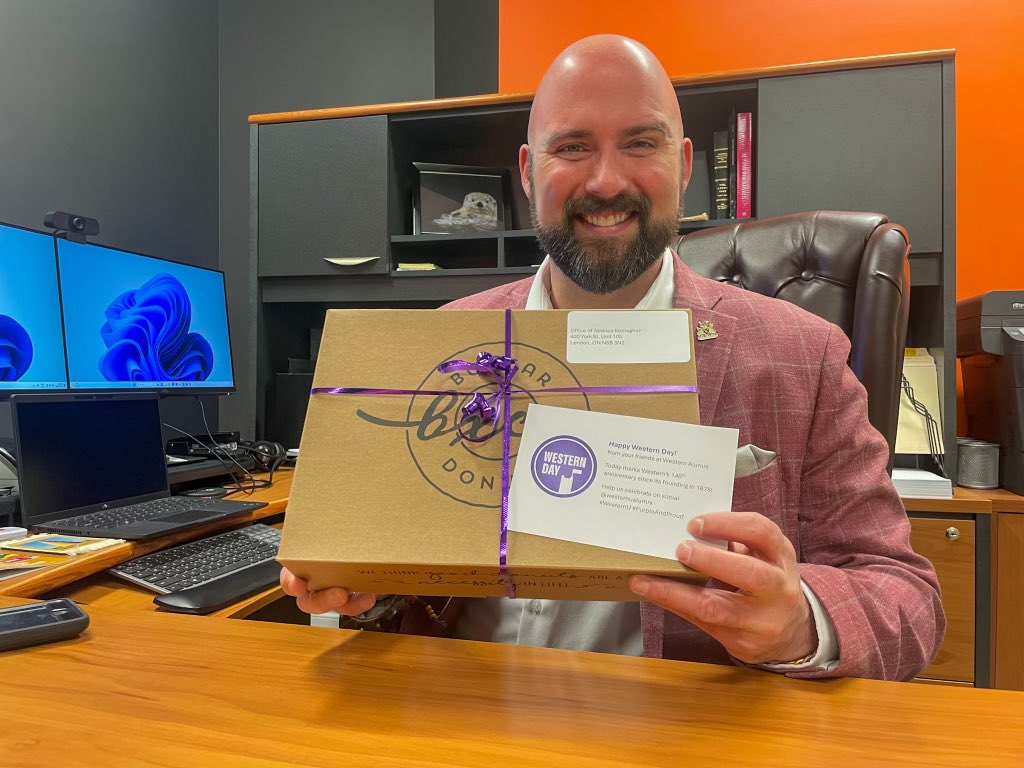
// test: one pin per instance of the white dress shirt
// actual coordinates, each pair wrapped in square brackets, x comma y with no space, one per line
[607,627]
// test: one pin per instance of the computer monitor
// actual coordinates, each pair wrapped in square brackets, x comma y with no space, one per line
[31,338]
[138,322]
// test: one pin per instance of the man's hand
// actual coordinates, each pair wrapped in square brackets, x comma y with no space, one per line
[334,599]
[754,605]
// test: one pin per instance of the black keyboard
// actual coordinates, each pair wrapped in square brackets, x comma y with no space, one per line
[207,560]
[133,513]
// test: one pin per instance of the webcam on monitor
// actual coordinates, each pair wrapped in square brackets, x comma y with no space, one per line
[71,225]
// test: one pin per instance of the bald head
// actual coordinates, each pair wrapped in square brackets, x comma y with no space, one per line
[606,167]
[599,66]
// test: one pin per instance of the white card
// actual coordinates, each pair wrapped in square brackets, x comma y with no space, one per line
[616,481]
[642,336]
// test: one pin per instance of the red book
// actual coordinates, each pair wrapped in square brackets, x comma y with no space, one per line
[744,166]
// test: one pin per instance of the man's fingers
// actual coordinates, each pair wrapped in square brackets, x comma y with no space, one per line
[336,599]
[742,571]
[742,549]
[358,602]
[709,607]
[760,535]
[292,584]
[325,600]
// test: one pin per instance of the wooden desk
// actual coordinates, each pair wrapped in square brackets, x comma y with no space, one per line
[170,690]
[975,635]
[1007,588]
[999,577]
[72,569]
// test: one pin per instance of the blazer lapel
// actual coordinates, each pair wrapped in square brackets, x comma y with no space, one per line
[700,295]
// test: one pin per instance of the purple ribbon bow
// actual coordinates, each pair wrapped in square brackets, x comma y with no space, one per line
[487,405]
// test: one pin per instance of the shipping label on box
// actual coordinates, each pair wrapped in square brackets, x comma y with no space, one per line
[390,495]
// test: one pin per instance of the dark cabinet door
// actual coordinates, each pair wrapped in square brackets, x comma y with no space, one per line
[861,140]
[323,197]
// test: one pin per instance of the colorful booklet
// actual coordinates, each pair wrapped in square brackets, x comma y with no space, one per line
[16,563]
[56,544]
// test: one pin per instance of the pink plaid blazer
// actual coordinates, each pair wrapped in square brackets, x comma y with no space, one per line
[779,375]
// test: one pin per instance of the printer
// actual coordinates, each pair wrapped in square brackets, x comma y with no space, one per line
[990,345]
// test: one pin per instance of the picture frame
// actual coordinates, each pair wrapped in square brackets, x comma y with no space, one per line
[460,199]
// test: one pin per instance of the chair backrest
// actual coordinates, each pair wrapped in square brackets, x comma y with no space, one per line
[850,268]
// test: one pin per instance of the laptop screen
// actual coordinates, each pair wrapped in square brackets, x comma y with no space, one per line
[79,454]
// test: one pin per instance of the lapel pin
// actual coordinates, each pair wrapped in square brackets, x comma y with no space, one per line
[706,330]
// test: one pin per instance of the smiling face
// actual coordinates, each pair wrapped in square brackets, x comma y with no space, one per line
[607,164]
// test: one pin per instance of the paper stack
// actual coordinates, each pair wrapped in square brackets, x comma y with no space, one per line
[921,484]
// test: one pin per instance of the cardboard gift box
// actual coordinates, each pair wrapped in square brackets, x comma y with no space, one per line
[389,498]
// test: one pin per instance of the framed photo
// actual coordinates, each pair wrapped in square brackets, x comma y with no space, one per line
[453,199]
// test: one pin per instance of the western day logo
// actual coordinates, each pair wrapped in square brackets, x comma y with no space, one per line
[564,466]
[463,470]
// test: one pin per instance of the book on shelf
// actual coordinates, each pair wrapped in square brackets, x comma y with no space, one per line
[58,544]
[732,166]
[720,171]
[744,166]
[699,196]
[416,266]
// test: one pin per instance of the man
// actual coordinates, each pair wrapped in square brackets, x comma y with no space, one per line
[819,578]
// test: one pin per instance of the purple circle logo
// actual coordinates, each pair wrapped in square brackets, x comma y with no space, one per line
[564,466]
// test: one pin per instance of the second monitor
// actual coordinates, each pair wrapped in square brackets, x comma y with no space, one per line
[137,322]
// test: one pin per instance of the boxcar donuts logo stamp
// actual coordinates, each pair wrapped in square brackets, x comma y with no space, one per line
[564,466]
[467,471]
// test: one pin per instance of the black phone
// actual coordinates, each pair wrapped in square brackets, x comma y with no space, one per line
[35,623]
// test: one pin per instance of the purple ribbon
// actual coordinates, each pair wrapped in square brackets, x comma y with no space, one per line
[495,406]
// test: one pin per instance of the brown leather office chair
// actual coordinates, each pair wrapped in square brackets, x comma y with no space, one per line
[850,268]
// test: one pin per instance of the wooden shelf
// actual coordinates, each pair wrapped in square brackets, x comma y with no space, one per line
[964,501]
[404,273]
[1001,499]
[512,234]
[437,238]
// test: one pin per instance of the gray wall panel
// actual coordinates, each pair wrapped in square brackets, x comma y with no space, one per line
[832,140]
[466,47]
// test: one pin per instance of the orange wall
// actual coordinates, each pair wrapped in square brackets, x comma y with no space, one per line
[988,36]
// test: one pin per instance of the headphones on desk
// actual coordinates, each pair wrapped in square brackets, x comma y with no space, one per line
[268,455]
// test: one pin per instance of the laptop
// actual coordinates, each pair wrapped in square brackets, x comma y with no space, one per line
[94,465]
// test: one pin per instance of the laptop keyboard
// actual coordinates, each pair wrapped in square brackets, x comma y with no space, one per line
[198,562]
[133,513]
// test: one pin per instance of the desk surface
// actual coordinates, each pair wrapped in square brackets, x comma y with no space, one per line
[169,690]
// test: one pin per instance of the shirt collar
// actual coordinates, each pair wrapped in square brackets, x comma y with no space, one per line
[658,296]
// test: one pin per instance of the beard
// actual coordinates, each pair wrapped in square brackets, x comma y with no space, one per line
[605,265]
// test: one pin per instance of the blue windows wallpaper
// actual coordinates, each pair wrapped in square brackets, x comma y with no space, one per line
[15,349]
[148,339]
[31,342]
[133,321]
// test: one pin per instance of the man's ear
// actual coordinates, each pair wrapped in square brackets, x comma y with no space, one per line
[687,160]
[524,168]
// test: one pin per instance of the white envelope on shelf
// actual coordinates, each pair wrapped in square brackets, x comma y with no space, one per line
[922,375]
